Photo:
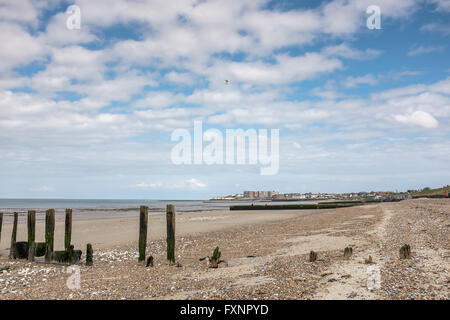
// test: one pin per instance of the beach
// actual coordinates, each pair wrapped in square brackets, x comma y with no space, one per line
[265,253]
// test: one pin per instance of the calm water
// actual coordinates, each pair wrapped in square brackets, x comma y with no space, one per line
[98,208]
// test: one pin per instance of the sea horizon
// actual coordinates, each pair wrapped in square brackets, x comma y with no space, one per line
[84,209]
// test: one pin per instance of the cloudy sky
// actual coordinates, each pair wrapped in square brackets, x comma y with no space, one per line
[89,112]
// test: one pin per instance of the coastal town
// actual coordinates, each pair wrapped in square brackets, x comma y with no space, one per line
[276,196]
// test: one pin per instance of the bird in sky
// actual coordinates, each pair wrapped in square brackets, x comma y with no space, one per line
[227,81]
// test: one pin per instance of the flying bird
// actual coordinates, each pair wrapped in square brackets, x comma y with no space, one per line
[227,81]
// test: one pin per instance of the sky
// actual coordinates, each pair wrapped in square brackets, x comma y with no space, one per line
[89,112]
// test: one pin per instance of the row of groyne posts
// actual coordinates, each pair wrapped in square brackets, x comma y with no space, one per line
[143,224]
[31,249]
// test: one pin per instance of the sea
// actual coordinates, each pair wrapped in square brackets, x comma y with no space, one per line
[83,209]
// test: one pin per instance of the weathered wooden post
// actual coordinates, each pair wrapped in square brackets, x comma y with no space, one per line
[143,221]
[405,252]
[31,251]
[215,259]
[31,224]
[170,215]
[49,233]
[12,249]
[348,251]
[68,229]
[1,222]
[149,262]
[312,256]
[89,255]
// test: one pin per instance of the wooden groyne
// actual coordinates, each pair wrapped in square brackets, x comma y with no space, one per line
[31,249]
[143,223]
[309,206]
[170,217]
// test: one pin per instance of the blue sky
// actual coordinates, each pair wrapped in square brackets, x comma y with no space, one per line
[89,112]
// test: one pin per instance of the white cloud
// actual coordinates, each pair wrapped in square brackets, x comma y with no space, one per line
[407,73]
[441,5]
[179,78]
[195,183]
[191,183]
[286,69]
[159,99]
[23,11]
[43,189]
[418,50]
[57,33]
[352,82]
[419,118]
[18,47]
[344,51]
[149,185]
[437,27]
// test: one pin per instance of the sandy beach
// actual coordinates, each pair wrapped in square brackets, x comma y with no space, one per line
[266,256]
[109,232]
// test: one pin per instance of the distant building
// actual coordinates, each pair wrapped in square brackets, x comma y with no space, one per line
[259,194]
